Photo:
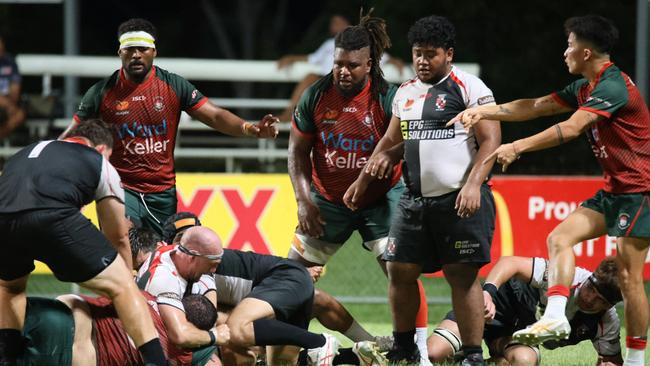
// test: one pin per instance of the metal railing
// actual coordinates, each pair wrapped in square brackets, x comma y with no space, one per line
[49,66]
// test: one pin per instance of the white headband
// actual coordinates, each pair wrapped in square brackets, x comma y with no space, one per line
[137,39]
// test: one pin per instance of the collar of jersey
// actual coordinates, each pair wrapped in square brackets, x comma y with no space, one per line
[441,80]
[128,82]
[77,140]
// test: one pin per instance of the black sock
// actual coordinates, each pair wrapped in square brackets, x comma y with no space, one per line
[152,353]
[473,352]
[11,346]
[303,359]
[346,357]
[271,332]
[405,340]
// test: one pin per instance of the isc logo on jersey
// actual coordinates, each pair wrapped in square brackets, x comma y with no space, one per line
[343,152]
[143,139]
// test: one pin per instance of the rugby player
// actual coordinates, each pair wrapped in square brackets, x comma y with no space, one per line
[143,105]
[608,108]
[515,288]
[336,126]
[42,190]
[445,219]
[78,330]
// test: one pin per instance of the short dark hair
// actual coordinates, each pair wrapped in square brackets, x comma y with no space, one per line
[371,33]
[599,31]
[95,130]
[434,30]
[200,311]
[607,280]
[173,225]
[143,240]
[135,25]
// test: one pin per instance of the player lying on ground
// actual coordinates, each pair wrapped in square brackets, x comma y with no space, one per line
[78,330]
[513,290]
[266,284]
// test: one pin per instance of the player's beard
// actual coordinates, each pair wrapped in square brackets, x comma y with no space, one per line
[138,74]
[353,90]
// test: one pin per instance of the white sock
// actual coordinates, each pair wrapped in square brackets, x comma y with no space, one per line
[555,307]
[357,333]
[634,357]
[421,341]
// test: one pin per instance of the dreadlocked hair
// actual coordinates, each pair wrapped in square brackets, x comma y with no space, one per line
[371,33]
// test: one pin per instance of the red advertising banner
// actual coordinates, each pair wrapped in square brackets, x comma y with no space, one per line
[258,212]
[528,208]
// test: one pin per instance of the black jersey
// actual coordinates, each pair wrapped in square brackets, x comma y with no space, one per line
[56,174]
[239,272]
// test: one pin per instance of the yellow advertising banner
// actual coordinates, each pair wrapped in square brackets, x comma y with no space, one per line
[249,211]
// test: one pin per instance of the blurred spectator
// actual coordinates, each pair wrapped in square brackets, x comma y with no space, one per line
[323,57]
[11,114]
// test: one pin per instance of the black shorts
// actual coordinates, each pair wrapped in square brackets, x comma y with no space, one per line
[65,240]
[428,231]
[516,307]
[290,291]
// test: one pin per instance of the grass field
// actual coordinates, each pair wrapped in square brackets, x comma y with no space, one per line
[354,276]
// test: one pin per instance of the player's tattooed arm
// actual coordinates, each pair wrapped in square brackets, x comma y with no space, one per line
[504,110]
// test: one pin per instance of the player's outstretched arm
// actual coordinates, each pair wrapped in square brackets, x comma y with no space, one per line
[508,267]
[556,135]
[227,122]
[517,110]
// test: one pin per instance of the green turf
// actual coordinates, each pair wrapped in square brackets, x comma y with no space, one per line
[353,272]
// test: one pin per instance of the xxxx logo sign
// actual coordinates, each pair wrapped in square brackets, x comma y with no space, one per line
[254,212]
[246,214]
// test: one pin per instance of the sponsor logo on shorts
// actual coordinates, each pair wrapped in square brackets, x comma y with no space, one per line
[485,100]
[623,221]
[466,247]
[390,246]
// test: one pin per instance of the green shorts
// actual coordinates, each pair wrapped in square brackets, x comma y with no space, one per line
[626,215]
[151,209]
[49,329]
[202,356]
[372,223]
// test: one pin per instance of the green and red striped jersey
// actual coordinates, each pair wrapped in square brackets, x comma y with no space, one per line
[345,132]
[144,118]
[621,141]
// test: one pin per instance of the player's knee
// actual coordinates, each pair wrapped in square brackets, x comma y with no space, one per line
[523,356]
[461,274]
[442,345]
[628,282]
[557,242]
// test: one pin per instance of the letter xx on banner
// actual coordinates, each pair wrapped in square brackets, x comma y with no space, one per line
[258,212]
